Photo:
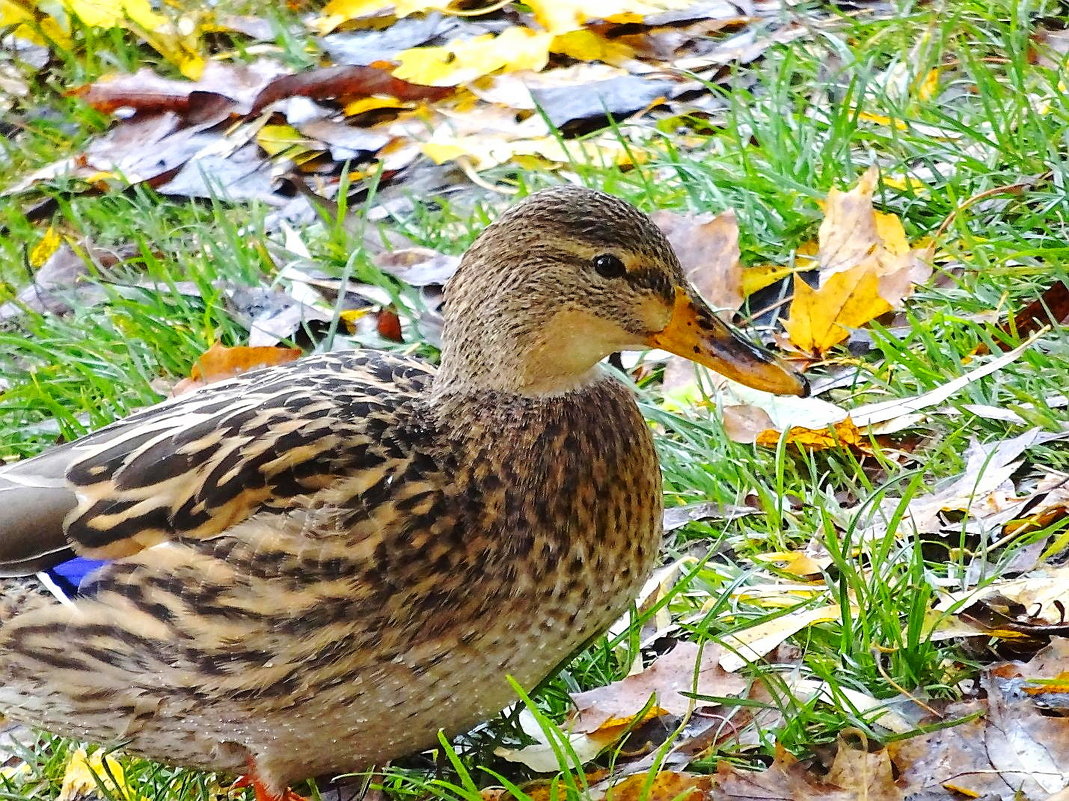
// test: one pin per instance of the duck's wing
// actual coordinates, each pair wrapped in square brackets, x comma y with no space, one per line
[194,466]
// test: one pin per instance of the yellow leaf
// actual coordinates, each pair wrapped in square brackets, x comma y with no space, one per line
[854,235]
[84,776]
[286,141]
[586,45]
[19,19]
[929,86]
[338,11]
[350,316]
[665,785]
[755,278]
[115,13]
[468,59]
[373,103]
[490,151]
[44,249]
[905,183]
[821,318]
[561,16]
[880,119]
[817,439]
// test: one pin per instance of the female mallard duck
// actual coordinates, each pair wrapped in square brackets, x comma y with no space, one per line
[316,567]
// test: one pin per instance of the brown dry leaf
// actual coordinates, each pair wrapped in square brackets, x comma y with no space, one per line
[982,492]
[1010,750]
[708,249]
[868,774]
[665,680]
[1045,678]
[349,82]
[58,286]
[786,778]
[744,423]
[1049,309]
[1040,599]
[220,362]
[418,266]
[221,86]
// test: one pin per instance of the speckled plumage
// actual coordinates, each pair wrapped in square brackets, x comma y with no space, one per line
[320,565]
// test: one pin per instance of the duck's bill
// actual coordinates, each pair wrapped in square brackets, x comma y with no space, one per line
[696,333]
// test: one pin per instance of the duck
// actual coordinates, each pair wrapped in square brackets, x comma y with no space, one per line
[318,567]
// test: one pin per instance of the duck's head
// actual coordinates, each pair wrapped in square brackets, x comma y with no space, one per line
[568,276]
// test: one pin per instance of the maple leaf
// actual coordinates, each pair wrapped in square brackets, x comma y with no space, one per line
[823,317]
[867,268]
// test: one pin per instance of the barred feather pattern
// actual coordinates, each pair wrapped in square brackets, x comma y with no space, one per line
[317,568]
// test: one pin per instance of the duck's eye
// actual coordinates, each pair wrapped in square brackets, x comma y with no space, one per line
[609,266]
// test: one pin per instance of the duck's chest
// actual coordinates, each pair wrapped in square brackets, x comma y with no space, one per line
[561,499]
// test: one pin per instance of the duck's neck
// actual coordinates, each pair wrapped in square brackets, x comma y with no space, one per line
[539,375]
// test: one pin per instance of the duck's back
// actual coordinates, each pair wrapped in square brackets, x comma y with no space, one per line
[331,600]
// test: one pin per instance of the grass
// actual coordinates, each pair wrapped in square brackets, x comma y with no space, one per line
[811,116]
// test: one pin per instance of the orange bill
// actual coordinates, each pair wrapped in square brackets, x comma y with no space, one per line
[696,333]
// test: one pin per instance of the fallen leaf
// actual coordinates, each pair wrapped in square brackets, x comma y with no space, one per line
[854,233]
[222,87]
[57,286]
[836,435]
[614,97]
[561,16]
[678,516]
[1008,750]
[981,493]
[388,325]
[1040,598]
[344,81]
[85,775]
[821,318]
[867,268]
[708,249]
[220,362]
[45,247]
[417,266]
[750,644]
[868,774]
[1051,308]
[664,682]
[884,411]
[785,778]
[467,59]
[665,785]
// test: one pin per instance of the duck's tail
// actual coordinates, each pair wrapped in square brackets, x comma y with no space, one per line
[34,500]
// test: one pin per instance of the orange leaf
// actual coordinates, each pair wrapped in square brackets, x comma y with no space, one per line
[219,362]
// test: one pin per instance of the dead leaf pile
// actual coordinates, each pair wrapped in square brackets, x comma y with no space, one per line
[406,87]
[1007,741]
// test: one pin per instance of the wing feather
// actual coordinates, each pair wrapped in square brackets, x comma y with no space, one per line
[194,466]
